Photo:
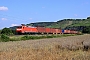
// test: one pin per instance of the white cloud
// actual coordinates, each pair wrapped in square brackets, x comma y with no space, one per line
[3,19]
[2,8]
[14,24]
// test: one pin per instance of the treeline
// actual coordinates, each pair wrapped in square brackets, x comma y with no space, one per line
[83,29]
[86,29]
[41,24]
[7,31]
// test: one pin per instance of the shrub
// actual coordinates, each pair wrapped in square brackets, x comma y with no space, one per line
[4,38]
[49,36]
[15,39]
[6,31]
[25,37]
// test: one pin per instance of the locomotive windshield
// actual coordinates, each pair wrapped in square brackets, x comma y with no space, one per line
[19,27]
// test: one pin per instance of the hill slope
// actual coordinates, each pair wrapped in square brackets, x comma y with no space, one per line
[65,23]
[82,25]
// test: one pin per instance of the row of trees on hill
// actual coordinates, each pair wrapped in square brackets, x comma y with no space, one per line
[86,29]
[83,29]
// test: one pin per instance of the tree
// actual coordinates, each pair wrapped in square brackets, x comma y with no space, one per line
[6,31]
[14,32]
[88,17]
[0,31]
[86,29]
[4,38]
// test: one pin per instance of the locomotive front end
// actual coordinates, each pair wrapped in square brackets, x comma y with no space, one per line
[19,29]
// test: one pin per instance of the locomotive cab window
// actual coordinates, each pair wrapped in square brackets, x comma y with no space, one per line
[19,27]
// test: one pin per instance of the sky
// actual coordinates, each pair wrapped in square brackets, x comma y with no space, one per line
[16,12]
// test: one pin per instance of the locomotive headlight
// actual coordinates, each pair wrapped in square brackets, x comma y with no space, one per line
[19,29]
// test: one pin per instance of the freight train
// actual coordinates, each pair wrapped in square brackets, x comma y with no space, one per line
[43,30]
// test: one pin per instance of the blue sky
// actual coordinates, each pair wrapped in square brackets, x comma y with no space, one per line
[16,12]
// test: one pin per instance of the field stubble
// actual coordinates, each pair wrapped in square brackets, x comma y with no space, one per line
[65,48]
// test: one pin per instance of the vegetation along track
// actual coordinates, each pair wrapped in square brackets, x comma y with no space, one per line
[65,48]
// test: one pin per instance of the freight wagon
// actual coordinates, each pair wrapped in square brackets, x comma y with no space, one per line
[43,30]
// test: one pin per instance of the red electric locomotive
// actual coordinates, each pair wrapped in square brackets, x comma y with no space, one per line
[26,29]
[43,30]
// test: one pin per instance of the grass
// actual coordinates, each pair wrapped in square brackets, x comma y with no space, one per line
[5,38]
[28,37]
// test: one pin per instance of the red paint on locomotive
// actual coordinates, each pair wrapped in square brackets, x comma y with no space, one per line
[29,29]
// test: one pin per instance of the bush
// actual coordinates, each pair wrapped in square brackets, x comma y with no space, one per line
[86,29]
[6,31]
[25,37]
[15,39]
[49,36]
[4,38]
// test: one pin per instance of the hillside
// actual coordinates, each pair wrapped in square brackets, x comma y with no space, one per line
[59,24]
[64,23]
[82,25]
[42,24]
